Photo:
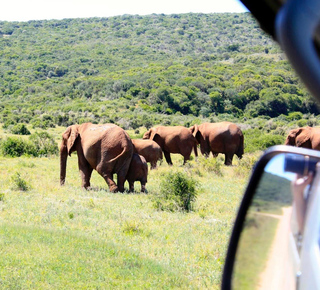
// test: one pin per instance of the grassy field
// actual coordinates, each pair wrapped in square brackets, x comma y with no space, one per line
[55,237]
[253,250]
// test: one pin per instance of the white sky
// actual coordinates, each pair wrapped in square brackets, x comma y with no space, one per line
[24,10]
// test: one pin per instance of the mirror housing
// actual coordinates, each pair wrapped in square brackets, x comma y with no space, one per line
[311,157]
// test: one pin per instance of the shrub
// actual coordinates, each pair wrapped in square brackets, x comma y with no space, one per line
[39,144]
[19,183]
[20,129]
[15,147]
[211,164]
[302,123]
[294,116]
[44,144]
[245,165]
[177,192]
[262,142]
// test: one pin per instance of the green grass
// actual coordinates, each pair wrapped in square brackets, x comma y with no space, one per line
[253,250]
[58,259]
[66,237]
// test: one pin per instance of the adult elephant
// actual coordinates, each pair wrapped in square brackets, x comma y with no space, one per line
[306,137]
[223,137]
[173,139]
[106,148]
[149,149]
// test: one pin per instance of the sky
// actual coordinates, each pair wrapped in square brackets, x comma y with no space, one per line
[25,10]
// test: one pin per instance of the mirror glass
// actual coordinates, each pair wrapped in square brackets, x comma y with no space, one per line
[268,252]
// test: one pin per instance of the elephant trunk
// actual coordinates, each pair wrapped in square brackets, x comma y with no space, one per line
[63,163]
[195,149]
[240,151]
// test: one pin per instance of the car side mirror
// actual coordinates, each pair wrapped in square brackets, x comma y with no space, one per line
[275,239]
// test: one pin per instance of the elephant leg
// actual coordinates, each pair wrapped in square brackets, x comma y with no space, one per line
[168,157]
[109,180]
[120,181]
[131,186]
[228,158]
[143,187]
[185,159]
[108,177]
[85,172]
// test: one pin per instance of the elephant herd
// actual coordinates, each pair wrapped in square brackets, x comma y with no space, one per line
[109,150]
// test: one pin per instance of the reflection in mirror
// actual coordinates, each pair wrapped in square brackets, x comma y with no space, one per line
[268,253]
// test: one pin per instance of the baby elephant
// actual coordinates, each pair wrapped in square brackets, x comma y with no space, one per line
[149,149]
[138,171]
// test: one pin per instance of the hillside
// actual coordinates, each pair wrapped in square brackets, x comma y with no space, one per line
[142,70]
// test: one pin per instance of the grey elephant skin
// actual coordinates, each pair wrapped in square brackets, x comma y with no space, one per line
[306,137]
[221,137]
[173,139]
[138,171]
[149,149]
[106,148]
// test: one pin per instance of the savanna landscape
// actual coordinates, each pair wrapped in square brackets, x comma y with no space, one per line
[136,72]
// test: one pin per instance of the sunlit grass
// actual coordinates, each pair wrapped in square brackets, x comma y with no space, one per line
[78,230]
[253,250]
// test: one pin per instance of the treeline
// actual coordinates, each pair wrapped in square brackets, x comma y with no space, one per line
[143,70]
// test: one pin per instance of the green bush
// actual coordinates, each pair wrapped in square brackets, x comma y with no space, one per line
[211,164]
[39,144]
[44,143]
[262,142]
[16,147]
[177,192]
[302,123]
[19,183]
[294,116]
[245,165]
[20,129]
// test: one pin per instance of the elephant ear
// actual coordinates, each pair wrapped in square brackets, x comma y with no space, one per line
[303,136]
[146,135]
[153,134]
[291,138]
[69,137]
[194,130]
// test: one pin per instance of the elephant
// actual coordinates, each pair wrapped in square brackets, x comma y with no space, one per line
[149,149]
[306,137]
[173,139]
[138,171]
[222,137]
[106,148]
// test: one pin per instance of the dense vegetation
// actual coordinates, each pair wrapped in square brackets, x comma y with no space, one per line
[143,70]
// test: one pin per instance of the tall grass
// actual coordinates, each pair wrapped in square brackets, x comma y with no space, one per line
[66,237]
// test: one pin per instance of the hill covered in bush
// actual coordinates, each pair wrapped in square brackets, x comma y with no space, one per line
[143,70]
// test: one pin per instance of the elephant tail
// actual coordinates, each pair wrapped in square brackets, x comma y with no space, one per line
[240,150]
[121,159]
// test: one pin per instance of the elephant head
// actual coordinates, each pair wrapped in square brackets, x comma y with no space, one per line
[299,137]
[69,138]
